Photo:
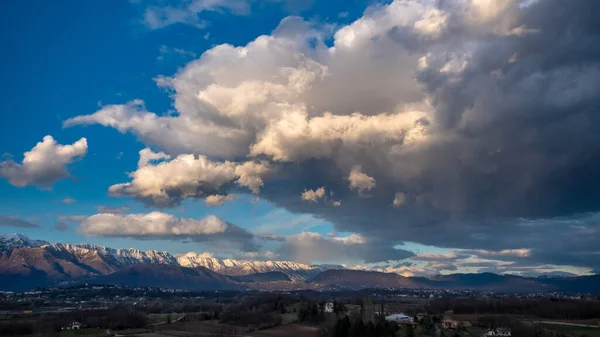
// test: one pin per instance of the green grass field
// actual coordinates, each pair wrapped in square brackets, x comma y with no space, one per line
[573,330]
[289,317]
[162,318]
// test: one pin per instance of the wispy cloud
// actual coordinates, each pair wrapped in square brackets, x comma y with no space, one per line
[158,14]
[11,221]
[61,226]
[113,210]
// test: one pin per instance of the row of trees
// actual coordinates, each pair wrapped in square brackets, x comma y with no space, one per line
[311,313]
[260,311]
[345,327]
[162,307]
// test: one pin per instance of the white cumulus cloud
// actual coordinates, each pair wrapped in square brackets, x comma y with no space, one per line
[399,200]
[147,156]
[218,200]
[187,176]
[313,195]
[360,181]
[44,164]
[160,225]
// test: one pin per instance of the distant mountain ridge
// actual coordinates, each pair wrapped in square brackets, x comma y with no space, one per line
[21,257]
[362,279]
[119,258]
[271,276]
[169,276]
[26,264]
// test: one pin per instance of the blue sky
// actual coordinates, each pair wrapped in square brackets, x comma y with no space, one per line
[410,136]
[68,60]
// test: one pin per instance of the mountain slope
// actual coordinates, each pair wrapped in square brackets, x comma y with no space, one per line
[363,279]
[272,276]
[581,284]
[32,263]
[106,260]
[168,276]
[25,268]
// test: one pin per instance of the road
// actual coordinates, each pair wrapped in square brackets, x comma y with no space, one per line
[564,323]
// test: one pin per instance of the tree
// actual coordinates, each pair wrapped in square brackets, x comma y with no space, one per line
[357,329]
[169,319]
[427,324]
[339,307]
[409,331]
[314,313]
[371,330]
[342,327]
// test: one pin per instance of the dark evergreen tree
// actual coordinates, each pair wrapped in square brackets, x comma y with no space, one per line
[357,329]
[409,331]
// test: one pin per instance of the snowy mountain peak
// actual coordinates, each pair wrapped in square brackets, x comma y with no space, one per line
[132,256]
[234,267]
[16,240]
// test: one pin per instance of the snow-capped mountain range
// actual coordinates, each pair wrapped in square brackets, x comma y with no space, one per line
[29,264]
[11,241]
[132,256]
[231,267]
[119,258]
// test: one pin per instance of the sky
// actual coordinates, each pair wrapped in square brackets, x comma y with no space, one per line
[410,136]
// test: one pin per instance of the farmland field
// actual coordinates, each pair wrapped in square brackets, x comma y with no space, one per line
[83,333]
[162,318]
[202,327]
[573,330]
[295,330]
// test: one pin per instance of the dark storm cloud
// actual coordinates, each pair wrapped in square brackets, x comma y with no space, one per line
[517,144]
[403,264]
[483,118]
[441,266]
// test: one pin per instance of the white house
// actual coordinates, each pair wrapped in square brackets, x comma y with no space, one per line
[399,319]
[328,307]
[502,332]
[73,326]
